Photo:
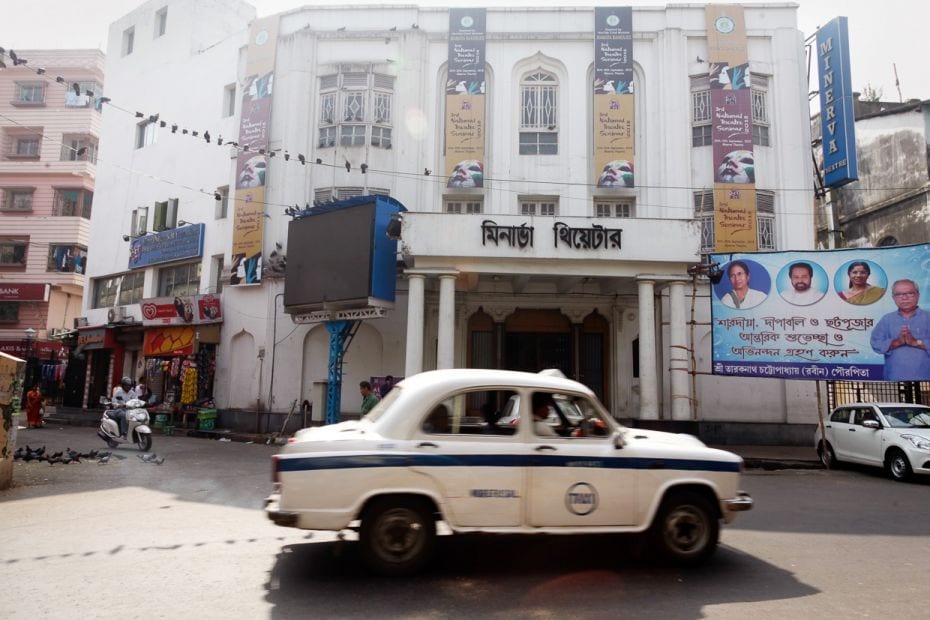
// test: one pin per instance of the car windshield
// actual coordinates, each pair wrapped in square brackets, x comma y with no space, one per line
[383,405]
[907,417]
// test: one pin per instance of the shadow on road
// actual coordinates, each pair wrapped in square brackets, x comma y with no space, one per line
[520,576]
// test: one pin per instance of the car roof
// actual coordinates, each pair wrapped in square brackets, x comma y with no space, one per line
[882,404]
[424,389]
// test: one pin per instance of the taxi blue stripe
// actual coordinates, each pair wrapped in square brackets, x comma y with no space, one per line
[365,461]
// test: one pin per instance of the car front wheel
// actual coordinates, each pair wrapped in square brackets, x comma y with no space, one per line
[397,536]
[686,529]
[898,466]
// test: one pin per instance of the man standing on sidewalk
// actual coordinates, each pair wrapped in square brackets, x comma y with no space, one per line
[369,400]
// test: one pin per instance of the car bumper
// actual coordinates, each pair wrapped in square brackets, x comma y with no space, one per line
[278,516]
[741,503]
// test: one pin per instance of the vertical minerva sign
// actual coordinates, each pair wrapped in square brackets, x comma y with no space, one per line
[837,116]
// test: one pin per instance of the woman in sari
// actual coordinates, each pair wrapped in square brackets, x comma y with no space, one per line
[34,401]
[860,292]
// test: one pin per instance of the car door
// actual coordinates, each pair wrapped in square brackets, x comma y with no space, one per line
[576,476]
[864,444]
[838,432]
[477,467]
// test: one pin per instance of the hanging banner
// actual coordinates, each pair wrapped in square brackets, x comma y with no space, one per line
[837,114]
[731,130]
[848,315]
[613,96]
[465,93]
[252,161]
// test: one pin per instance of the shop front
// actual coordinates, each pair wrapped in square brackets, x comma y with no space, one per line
[101,353]
[179,350]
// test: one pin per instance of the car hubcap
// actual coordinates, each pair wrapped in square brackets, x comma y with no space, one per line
[686,529]
[399,534]
[897,466]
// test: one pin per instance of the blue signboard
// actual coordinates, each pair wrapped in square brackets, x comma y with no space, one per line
[167,246]
[837,115]
[847,315]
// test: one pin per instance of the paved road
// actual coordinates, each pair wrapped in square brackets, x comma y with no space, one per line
[136,540]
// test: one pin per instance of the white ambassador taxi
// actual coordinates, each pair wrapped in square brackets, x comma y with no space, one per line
[431,451]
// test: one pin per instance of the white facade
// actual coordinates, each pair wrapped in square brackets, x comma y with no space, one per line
[640,294]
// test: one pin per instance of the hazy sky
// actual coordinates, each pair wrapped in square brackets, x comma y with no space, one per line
[882,33]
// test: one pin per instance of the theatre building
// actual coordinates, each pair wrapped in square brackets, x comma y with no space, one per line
[563,177]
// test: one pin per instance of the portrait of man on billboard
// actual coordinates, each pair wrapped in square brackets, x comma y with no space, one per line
[902,336]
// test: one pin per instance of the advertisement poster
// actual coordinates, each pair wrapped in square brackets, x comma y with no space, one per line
[181,310]
[850,315]
[613,96]
[252,161]
[731,130]
[465,93]
[169,341]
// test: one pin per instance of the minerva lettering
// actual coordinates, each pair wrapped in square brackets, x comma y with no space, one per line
[494,493]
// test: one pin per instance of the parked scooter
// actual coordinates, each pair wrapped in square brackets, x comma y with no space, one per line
[137,425]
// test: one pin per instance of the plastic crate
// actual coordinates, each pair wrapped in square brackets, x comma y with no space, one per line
[206,414]
[206,425]
[161,420]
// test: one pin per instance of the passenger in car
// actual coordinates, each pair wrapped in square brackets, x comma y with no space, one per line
[541,404]
[438,420]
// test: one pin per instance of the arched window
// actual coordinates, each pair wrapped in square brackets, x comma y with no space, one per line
[887,242]
[539,113]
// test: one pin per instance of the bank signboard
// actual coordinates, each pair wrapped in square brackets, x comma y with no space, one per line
[852,315]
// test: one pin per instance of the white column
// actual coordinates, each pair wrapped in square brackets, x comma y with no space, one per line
[415,326]
[446,345]
[679,355]
[648,384]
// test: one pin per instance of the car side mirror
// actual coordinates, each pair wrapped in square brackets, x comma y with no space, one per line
[873,424]
[619,443]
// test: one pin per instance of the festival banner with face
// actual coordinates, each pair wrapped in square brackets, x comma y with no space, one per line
[731,130]
[252,162]
[465,93]
[613,96]
[835,315]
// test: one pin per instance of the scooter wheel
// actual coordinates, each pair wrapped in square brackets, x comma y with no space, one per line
[112,444]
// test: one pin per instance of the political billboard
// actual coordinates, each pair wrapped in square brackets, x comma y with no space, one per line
[851,314]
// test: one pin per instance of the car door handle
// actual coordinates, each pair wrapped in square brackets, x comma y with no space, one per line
[541,448]
[427,444]
[852,430]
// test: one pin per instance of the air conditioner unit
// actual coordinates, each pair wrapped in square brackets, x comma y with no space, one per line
[116,314]
[80,321]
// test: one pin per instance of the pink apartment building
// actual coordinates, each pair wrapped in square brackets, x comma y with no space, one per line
[49,130]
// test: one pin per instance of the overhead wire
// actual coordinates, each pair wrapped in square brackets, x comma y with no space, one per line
[491,184]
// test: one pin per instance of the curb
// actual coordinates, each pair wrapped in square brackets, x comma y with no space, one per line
[774,464]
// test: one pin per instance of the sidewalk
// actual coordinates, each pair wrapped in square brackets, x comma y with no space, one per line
[776,457]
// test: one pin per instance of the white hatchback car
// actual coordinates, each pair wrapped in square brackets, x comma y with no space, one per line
[895,436]
[419,457]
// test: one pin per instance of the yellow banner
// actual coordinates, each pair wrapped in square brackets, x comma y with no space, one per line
[735,218]
[252,162]
[613,139]
[465,140]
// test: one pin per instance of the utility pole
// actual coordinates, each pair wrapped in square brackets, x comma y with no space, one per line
[897,82]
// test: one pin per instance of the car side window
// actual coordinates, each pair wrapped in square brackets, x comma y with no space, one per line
[567,416]
[841,416]
[863,414]
[476,412]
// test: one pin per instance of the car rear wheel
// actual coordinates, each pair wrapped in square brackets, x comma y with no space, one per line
[898,466]
[686,529]
[397,536]
[827,456]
